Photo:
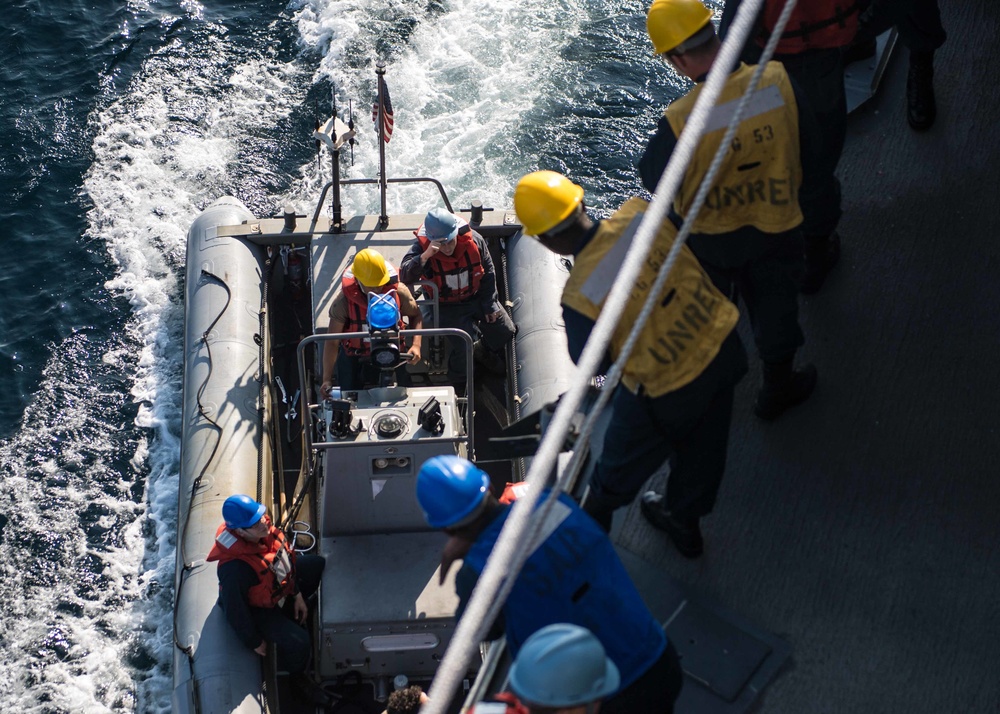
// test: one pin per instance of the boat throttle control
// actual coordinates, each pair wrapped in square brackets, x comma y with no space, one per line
[383,328]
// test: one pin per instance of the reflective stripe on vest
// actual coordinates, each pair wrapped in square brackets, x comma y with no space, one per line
[689,324]
[758,182]
[504,703]
[458,275]
[489,708]
[817,24]
[273,561]
[574,575]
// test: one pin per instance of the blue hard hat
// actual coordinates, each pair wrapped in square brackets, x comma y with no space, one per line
[241,511]
[441,224]
[563,665]
[383,313]
[450,489]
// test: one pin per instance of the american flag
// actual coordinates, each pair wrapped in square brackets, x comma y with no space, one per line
[386,112]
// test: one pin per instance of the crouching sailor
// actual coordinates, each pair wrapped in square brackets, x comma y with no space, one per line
[675,397]
[456,258]
[573,575]
[259,573]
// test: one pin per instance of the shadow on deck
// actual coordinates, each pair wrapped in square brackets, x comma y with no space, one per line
[862,527]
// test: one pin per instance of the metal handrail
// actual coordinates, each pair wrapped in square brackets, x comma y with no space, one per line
[432,298]
[420,179]
[306,406]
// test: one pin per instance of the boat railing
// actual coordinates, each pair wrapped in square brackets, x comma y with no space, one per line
[344,182]
[430,298]
[308,407]
[492,675]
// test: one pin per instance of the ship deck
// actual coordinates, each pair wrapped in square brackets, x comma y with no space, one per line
[862,528]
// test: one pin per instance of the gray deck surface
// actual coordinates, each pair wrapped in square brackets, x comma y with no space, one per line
[863,527]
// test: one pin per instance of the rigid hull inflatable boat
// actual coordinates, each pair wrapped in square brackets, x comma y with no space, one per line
[338,474]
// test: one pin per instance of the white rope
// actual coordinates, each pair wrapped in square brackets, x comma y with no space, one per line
[727,58]
[517,537]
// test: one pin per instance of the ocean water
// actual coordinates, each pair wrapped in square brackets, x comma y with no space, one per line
[122,119]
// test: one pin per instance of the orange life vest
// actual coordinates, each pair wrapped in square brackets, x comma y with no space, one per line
[502,703]
[273,560]
[458,275]
[512,492]
[817,24]
[357,310]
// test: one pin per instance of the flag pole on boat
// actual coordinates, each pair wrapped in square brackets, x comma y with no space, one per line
[383,125]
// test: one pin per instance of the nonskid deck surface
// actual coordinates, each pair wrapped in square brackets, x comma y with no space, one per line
[333,253]
[862,526]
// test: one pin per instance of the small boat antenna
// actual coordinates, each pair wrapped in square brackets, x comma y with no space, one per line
[319,148]
[334,133]
[350,125]
[335,151]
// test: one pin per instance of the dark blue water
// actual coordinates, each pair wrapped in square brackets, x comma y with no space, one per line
[122,120]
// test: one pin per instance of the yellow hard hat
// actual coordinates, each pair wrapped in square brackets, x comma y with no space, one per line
[369,268]
[544,199]
[671,22]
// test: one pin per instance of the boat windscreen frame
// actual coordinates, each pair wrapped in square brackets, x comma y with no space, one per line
[308,406]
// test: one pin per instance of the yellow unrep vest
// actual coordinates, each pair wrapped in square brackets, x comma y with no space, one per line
[758,182]
[684,332]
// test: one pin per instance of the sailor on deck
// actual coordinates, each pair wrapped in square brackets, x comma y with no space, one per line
[675,398]
[562,669]
[370,273]
[258,571]
[456,258]
[921,31]
[573,575]
[748,234]
[811,50]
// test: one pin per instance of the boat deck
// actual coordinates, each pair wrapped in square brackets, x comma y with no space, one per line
[332,254]
[862,527]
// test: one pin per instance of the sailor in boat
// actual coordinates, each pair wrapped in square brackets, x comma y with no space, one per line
[675,397]
[572,575]
[260,578]
[456,258]
[812,51]
[562,669]
[748,233]
[370,274]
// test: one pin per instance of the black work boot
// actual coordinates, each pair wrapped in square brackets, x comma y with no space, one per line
[685,534]
[307,690]
[921,108]
[822,253]
[492,362]
[783,389]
